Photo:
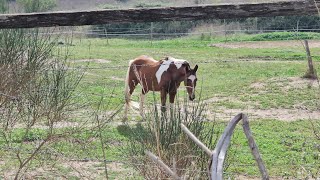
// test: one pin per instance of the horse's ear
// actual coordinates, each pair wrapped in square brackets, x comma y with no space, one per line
[195,68]
[187,66]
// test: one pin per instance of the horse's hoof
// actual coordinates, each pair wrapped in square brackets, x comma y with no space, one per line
[143,117]
[125,120]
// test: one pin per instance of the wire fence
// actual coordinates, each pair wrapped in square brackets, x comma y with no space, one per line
[149,34]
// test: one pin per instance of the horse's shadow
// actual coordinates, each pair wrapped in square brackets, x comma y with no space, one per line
[132,132]
[139,130]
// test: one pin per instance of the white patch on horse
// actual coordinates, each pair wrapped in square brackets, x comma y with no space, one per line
[163,67]
[177,62]
[192,78]
[166,64]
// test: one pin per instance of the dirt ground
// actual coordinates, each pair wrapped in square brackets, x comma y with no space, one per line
[279,114]
[298,112]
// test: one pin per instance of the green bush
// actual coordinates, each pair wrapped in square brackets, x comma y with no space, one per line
[147,5]
[21,135]
[3,6]
[288,22]
[285,36]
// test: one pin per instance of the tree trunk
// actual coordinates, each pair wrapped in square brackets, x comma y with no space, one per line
[221,11]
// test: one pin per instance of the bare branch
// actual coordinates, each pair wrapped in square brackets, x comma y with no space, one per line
[162,164]
[196,140]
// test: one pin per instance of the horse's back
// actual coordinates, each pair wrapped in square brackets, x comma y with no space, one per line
[141,60]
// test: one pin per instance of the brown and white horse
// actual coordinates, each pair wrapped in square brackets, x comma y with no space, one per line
[164,76]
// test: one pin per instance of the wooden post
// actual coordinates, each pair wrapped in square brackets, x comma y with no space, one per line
[310,73]
[254,148]
[151,33]
[106,35]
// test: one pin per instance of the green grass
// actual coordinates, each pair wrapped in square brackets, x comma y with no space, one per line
[272,36]
[285,36]
[285,146]
[225,74]
[291,147]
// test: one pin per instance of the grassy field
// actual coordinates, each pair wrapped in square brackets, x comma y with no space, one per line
[229,76]
[265,83]
[224,72]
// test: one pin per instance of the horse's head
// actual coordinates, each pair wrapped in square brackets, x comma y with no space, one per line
[191,81]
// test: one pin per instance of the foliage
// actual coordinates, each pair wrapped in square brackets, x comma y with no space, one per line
[272,36]
[248,26]
[107,6]
[3,6]
[289,22]
[143,28]
[123,1]
[285,36]
[147,28]
[37,5]
[146,5]
[36,89]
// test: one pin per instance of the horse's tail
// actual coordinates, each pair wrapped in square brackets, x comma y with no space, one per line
[127,88]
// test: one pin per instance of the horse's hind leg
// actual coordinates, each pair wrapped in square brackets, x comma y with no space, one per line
[142,98]
[132,85]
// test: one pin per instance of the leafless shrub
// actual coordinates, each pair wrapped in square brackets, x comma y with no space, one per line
[163,136]
[36,89]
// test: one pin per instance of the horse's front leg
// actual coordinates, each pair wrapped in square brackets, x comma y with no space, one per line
[163,94]
[172,96]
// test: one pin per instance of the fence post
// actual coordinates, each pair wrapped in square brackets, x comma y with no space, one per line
[151,33]
[254,148]
[106,35]
[311,72]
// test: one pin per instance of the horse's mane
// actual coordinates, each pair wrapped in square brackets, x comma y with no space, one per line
[185,62]
[166,58]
